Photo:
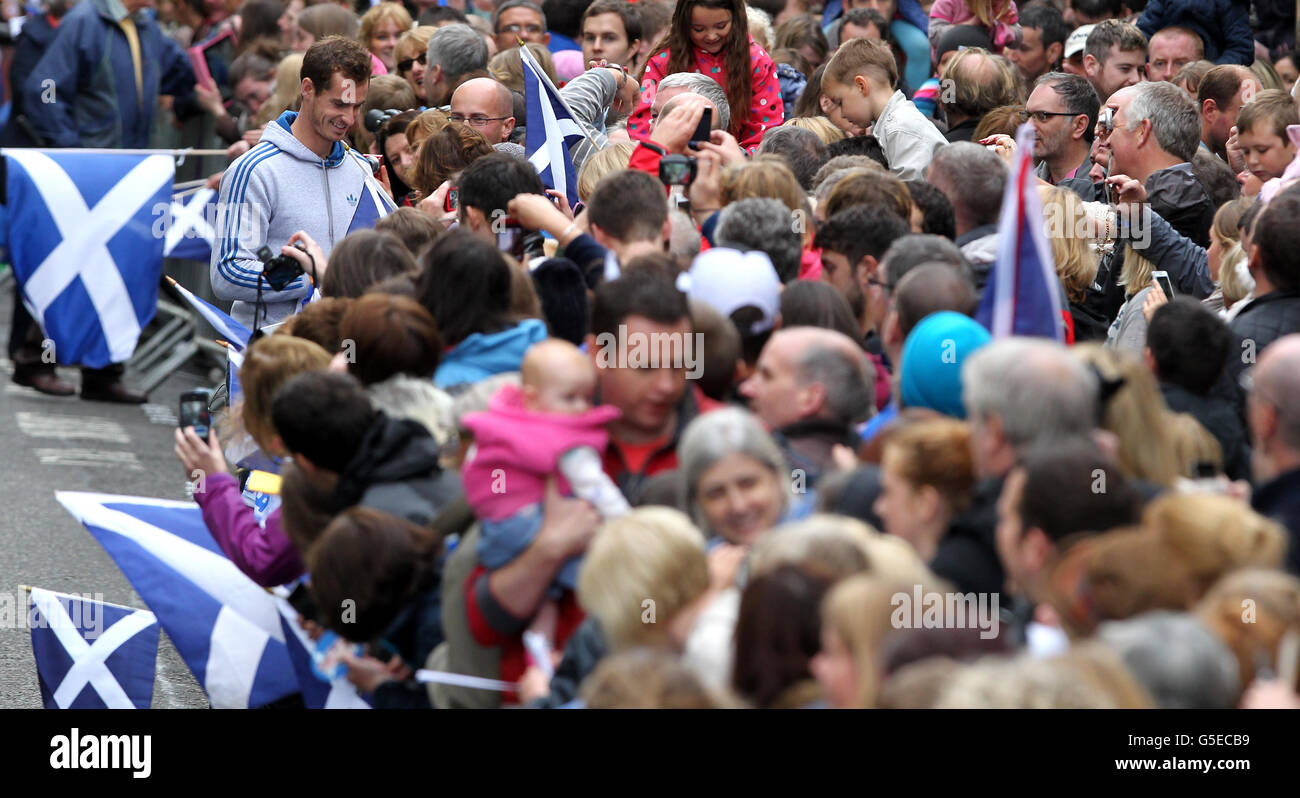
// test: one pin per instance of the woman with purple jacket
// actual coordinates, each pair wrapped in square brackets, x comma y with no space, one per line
[261,550]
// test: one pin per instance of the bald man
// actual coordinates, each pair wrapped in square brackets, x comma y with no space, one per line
[810,388]
[485,105]
[1273,412]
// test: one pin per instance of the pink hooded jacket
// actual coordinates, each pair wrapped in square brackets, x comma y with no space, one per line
[526,447]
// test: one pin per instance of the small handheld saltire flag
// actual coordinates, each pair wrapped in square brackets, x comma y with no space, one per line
[551,130]
[225,627]
[316,694]
[229,329]
[92,655]
[1022,295]
[373,204]
[85,247]
[190,231]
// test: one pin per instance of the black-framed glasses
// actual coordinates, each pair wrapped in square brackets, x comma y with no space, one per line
[476,121]
[1041,116]
[406,63]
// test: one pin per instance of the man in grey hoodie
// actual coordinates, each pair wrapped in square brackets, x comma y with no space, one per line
[300,183]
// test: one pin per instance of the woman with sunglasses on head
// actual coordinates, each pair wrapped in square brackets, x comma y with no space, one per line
[712,37]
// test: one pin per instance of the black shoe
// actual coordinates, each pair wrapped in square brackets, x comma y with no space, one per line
[113,392]
[43,379]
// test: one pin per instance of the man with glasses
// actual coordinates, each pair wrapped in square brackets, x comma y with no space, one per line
[519,19]
[1063,111]
[485,105]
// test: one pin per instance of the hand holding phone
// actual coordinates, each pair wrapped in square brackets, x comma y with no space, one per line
[703,129]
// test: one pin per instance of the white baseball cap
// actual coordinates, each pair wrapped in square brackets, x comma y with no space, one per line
[728,280]
[1074,44]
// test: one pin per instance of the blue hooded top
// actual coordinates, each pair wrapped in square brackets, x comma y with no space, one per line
[481,356]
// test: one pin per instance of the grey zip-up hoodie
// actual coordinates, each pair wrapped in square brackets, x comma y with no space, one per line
[271,192]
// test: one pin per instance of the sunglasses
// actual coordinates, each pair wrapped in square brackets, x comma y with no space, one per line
[406,63]
[1041,117]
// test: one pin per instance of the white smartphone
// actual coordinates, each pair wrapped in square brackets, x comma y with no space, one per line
[1166,285]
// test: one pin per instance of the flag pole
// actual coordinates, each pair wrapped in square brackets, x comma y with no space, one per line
[541,73]
[28,589]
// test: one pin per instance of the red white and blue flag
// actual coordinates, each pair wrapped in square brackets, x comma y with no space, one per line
[1022,296]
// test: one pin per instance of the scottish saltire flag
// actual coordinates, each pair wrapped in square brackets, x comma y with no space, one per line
[92,655]
[1022,296]
[84,248]
[316,693]
[229,329]
[373,204]
[224,626]
[550,132]
[190,232]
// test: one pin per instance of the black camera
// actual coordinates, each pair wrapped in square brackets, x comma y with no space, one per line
[677,170]
[280,270]
[376,118]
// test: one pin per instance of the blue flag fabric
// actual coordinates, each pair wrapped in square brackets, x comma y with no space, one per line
[316,693]
[550,132]
[225,627]
[92,655]
[236,334]
[373,205]
[1022,296]
[85,248]
[190,226]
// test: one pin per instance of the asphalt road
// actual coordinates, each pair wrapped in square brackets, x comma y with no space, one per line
[53,443]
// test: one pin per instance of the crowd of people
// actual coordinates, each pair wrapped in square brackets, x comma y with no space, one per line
[726,432]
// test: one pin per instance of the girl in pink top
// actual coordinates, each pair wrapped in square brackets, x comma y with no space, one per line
[712,37]
[997,17]
[529,433]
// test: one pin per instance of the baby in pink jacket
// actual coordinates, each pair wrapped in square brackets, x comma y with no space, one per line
[544,427]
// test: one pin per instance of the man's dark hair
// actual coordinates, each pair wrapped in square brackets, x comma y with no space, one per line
[335,54]
[911,251]
[1077,94]
[509,4]
[1060,495]
[1189,344]
[491,181]
[937,217]
[1277,240]
[257,62]
[465,283]
[629,205]
[860,231]
[641,292]
[1050,24]
[1123,35]
[1093,9]
[930,288]
[437,14]
[801,149]
[813,303]
[866,145]
[626,11]
[323,416]
[565,16]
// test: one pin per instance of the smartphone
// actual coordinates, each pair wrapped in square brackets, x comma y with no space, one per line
[703,129]
[301,600]
[194,412]
[451,203]
[1166,285]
